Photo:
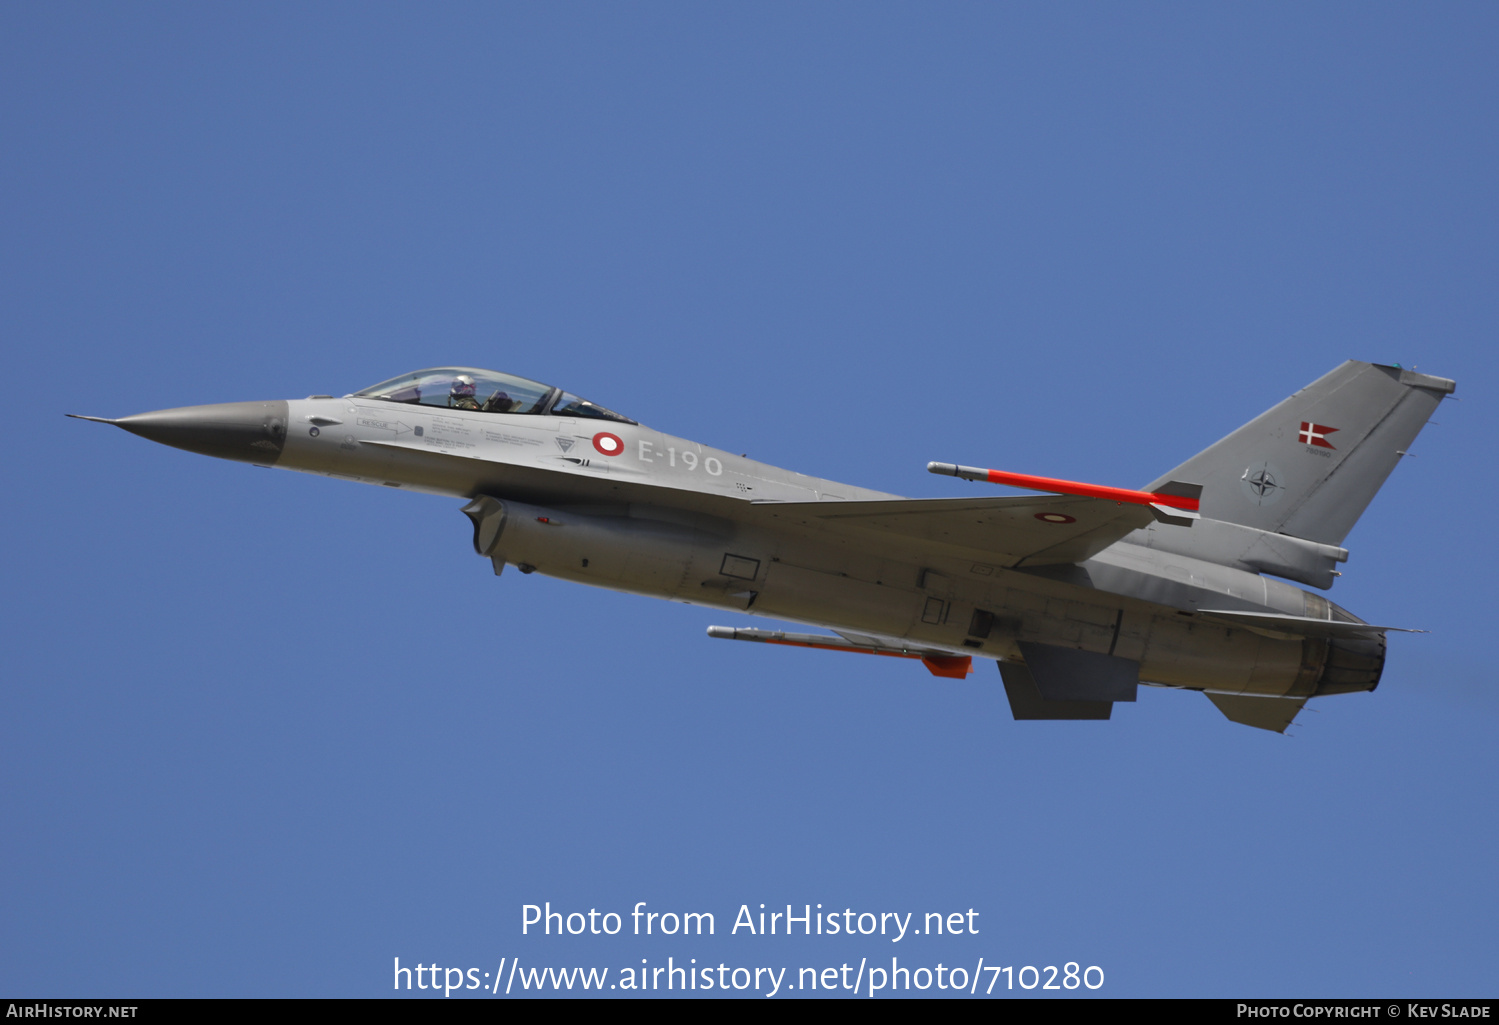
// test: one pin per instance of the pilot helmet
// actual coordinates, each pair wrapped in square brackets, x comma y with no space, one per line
[463,387]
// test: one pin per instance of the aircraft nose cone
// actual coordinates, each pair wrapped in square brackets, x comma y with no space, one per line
[251,432]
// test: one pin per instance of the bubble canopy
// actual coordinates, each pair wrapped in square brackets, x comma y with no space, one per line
[485,391]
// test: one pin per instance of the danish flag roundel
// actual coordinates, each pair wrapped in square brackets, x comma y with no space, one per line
[608,444]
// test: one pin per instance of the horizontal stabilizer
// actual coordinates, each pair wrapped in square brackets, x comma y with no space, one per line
[1273,714]
[1067,674]
[1026,701]
[938,663]
[1278,624]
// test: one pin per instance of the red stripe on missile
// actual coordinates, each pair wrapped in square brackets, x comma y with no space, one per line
[1068,487]
[956,667]
[1072,487]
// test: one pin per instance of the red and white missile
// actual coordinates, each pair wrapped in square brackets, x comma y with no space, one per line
[1174,501]
[938,663]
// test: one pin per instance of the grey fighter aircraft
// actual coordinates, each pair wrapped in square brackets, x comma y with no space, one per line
[1080,593]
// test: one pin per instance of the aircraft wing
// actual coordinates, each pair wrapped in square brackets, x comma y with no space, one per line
[1034,531]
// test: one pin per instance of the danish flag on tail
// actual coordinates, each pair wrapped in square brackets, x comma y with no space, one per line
[1315,434]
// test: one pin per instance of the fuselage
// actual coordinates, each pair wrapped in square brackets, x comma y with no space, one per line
[621,506]
[1079,595]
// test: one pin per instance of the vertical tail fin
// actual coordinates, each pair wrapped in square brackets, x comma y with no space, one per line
[1310,466]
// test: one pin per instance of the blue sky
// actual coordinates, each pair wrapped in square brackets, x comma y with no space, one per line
[261,732]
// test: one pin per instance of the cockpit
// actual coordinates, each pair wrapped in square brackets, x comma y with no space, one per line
[485,391]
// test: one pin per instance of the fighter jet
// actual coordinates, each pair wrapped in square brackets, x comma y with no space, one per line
[1079,592]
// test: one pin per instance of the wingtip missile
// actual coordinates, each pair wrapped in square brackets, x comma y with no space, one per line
[1175,502]
[956,667]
